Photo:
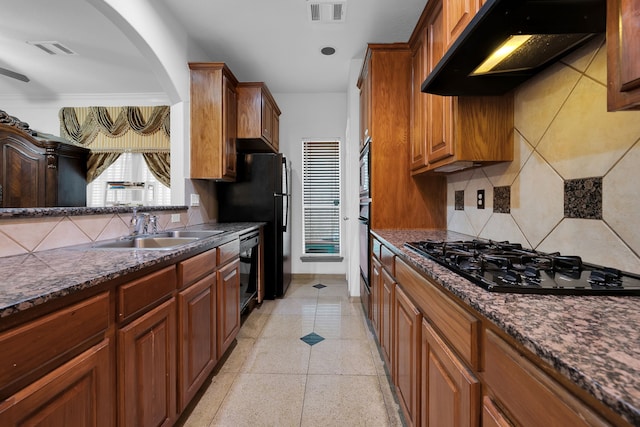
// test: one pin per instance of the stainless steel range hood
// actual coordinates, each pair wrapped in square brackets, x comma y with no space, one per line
[554,28]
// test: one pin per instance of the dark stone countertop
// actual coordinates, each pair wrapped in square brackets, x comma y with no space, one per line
[75,211]
[33,279]
[593,341]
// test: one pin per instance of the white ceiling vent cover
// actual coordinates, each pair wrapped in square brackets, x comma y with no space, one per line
[326,11]
[53,48]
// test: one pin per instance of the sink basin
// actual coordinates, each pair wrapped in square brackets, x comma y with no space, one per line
[165,240]
[199,234]
[147,242]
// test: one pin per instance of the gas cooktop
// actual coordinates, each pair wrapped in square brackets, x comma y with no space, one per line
[508,267]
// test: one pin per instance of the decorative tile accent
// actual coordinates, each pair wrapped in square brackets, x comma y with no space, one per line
[502,199]
[319,286]
[459,203]
[583,198]
[312,338]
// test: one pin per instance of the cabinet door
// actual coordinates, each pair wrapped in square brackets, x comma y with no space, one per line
[229,134]
[623,55]
[147,369]
[418,104]
[197,347]
[78,393]
[22,176]
[387,290]
[267,119]
[407,355]
[275,129]
[492,416]
[228,305]
[439,108]
[450,391]
[375,282]
[457,15]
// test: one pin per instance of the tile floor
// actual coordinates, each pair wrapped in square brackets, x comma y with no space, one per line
[274,378]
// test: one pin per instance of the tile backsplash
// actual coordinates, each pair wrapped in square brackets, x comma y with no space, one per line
[573,184]
[24,235]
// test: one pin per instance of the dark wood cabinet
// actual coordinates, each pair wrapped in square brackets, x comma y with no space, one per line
[228,305]
[397,199]
[147,368]
[258,118]
[40,171]
[78,393]
[213,121]
[387,296]
[406,355]
[623,55]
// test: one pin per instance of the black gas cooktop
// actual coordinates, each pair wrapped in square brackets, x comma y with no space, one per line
[508,267]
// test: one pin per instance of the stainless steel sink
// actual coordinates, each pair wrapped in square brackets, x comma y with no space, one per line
[160,241]
[146,242]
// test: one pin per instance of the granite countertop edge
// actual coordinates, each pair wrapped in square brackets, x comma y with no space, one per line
[608,369]
[30,280]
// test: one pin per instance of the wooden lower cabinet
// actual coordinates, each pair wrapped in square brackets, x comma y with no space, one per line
[147,369]
[450,391]
[406,355]
[197,345]
[387,293]
[228,309]
[492,416]
[77,393]
[375,282]
[529,395]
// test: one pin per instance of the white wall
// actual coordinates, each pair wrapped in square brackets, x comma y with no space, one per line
[309,115]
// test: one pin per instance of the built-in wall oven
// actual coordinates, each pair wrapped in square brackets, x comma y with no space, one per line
[249,265]
[365,225]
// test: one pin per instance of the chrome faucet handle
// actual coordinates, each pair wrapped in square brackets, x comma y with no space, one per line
[145,223]
[153,221]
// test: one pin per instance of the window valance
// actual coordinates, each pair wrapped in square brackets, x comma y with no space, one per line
[134,129]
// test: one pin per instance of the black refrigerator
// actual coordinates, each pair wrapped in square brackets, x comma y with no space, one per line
[262,193]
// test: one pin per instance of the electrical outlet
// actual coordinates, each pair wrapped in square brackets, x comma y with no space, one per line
[195,200]
[175,217]
[481,199]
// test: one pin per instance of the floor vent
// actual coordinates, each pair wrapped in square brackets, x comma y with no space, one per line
[326,12]
[53,48]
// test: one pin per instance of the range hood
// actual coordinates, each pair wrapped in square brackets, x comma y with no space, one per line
[555,27]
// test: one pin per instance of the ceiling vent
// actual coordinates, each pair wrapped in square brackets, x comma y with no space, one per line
[326,12]
[53,48]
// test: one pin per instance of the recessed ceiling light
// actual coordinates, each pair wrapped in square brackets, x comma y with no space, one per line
[328,50]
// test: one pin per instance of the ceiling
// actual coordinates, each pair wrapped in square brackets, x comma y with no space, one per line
[261,40]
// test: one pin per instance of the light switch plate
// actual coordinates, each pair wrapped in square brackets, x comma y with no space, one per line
[175,217]
[195,200]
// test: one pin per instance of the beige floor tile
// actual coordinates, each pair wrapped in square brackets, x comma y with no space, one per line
[299,306]
[343,400]
[263,400]
[340,327]
[205,410]
[278,356]
[254,324]
[236,360]
[302,291]
[288,326]
[332,305]
[341,357]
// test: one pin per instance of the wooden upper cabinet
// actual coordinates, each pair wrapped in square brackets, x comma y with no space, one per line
[364,84]
[623,55]
[213,121]
[418,135]
[457,15]
[258,118]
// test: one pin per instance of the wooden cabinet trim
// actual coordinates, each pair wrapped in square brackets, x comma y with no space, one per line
[138,296]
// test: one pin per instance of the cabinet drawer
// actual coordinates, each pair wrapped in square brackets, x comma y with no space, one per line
[43,344]
[228,251]
[136,296]
[528,393]
[387,258]
[461,328]
[197,267]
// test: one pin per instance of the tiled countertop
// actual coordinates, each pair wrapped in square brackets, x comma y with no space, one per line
[33,279]
[594,341]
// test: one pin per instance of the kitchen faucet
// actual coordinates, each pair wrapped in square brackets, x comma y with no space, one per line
[140,223]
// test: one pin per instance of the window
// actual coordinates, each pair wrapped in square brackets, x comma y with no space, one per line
[130,167]
[321,197]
